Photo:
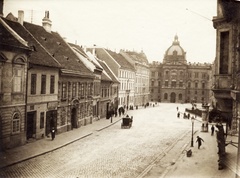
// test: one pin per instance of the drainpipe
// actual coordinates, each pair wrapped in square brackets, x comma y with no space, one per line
[238,153]
[26,96]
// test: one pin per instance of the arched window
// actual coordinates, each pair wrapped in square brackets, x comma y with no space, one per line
[165,96]
[16,123]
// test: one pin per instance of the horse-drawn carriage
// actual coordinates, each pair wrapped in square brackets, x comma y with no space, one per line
[126,122]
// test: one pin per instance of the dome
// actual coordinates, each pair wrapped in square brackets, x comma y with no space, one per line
[175,53]
[175,49]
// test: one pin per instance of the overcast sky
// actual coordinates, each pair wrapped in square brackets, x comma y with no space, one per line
[148,25]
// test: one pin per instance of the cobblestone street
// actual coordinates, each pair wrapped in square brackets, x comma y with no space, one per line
[113,152]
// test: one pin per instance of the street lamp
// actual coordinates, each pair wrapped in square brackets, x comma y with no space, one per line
[192,120]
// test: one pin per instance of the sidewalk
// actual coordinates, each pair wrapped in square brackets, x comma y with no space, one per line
[204,161]
[40,147]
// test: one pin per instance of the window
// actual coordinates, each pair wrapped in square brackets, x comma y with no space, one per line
[64,91]
[89,89]
[196,74]
[0,79]
[203,92]
[74,90]
[16,123]
[166,83]
[189,74]
[195,92]
[17,79]
[43,84]
[224,53]
[196,85]
[81,90]
[152,83]
[189,85]
[173,84]
[33,83]
[203,85]
[52,84]
[180,84]
[41,120]
[165,96]
[180,96]
[159,83]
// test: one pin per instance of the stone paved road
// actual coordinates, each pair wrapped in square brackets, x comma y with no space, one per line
[113,152]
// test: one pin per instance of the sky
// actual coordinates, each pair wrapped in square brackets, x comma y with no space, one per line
[135,25]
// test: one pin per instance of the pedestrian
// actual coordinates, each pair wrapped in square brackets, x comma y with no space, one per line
[178,114]
[53,133]
[188,116]
[212,129]
[177,108]
[199,140]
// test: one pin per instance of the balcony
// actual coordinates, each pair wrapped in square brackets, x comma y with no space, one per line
[222,87]
[235,94]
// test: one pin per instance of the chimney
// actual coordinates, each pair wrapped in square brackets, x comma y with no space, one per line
[20,16]
[1,8]
[46,22]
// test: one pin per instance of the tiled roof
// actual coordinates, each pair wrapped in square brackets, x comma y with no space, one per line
[140,57]
[102,54]
[39,56]
[59,49]
[8,39]
[108,71]
[121,60]
[81,51]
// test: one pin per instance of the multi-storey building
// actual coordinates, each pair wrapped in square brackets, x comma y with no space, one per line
[175,80]
[124,71]
[14,54]
[226,86]
[140,62]
[42,84]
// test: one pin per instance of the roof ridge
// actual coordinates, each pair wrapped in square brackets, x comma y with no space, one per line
[41,45]
[18,37]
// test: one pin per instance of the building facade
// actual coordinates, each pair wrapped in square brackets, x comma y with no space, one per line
[176,81]
[141,83]
[226,86]
[14,54]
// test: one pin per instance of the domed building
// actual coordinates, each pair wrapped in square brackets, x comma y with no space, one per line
[176,81]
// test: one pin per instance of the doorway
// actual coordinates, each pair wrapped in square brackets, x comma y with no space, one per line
[31,124]
[173,98]
[74,118]
[51,121]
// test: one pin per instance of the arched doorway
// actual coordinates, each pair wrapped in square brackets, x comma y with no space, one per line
[74,118]
[173,98]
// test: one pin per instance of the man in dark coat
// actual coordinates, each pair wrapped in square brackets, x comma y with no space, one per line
[199,140]
[53,133]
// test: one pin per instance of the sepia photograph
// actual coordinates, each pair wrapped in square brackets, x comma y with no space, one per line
[119,88]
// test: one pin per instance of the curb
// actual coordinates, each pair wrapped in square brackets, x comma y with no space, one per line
[61,146]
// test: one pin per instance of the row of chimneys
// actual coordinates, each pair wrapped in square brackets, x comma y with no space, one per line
[46,22]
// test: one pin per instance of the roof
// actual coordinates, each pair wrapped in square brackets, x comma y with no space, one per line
[137,57]
[108,71]
[39,56]
[10,38]
[59,49]
[85,55]
[103,55]
[175,48]
[121,60]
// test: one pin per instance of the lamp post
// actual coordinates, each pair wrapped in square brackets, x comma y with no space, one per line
[192,120]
